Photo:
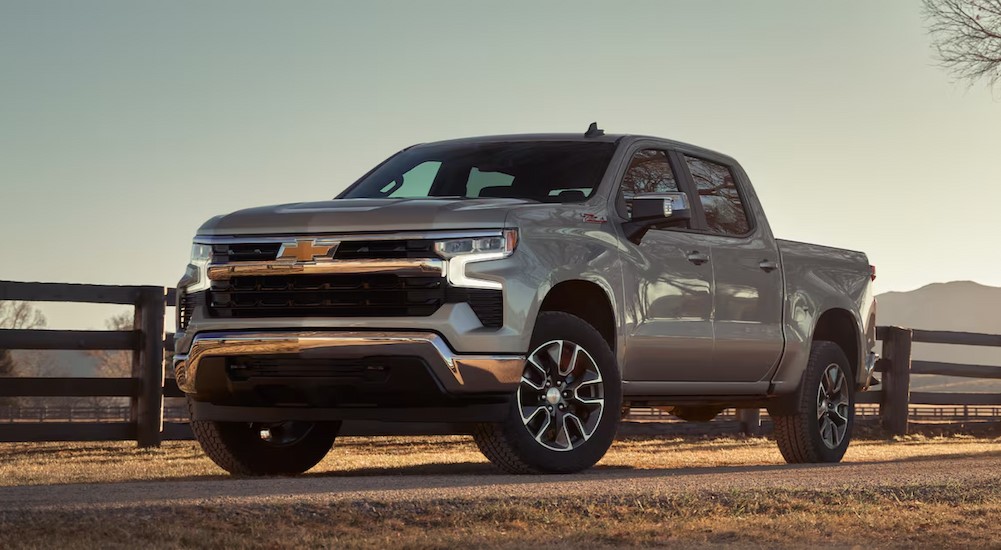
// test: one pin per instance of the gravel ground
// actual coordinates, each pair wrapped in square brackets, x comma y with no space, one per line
[479,481]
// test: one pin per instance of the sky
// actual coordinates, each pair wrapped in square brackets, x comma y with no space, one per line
[125,125]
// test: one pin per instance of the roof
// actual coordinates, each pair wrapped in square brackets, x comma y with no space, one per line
[606,138]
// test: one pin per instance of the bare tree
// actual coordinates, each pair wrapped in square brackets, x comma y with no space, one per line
[16,315]
[115,363]
[967,37]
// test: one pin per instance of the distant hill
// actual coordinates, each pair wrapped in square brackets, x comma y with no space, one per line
[961,306]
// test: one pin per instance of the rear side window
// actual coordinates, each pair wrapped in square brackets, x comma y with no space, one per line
[720,199]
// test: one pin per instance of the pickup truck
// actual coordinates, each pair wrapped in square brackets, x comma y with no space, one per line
[527,290]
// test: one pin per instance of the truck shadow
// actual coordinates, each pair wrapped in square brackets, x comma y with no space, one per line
[469,469]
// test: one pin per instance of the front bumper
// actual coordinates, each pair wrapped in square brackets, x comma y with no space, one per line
[457,374]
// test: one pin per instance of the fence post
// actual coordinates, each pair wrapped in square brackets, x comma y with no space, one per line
[147,366]
[750,421]
[896,380]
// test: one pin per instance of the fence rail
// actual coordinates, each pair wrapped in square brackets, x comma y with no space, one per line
[148,385]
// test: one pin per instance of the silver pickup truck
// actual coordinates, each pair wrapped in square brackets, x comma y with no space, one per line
[524,289]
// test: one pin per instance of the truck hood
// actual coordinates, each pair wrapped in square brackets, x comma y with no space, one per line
[364,215]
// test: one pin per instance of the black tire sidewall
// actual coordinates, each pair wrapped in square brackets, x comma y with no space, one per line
[830,354]
[563,326]
[244,452]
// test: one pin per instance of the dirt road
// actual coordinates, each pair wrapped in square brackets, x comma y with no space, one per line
[441,493]
[478,481]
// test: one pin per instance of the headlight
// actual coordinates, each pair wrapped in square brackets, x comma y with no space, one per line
[201,253]
[460,252]
[504,243]
[195,277]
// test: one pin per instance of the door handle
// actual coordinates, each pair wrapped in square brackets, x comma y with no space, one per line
[768,266]
[697,258]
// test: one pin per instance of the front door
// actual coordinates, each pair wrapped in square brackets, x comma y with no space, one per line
[668,287]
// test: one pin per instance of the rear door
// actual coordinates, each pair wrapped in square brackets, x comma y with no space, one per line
[747,318]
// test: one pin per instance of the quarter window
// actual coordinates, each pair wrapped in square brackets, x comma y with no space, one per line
[720,199]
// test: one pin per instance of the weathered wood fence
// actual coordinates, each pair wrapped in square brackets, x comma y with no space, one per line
[895,396]
[147,387]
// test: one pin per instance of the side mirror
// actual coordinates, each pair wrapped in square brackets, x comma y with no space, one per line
[657,210]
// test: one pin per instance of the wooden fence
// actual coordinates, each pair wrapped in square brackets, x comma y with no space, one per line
[147,387]
[895,396]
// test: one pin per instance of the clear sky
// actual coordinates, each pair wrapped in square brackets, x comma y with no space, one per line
[124,125]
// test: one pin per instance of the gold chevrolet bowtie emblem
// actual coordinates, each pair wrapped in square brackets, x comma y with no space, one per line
[306,250]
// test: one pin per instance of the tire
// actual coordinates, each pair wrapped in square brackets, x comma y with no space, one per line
[821,428]
[572,410]
[238,447]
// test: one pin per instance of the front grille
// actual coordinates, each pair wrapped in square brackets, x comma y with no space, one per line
[245,252]
[186,305]
[353,371]
[413,248]
[342,295]
[347,250]
[327,296]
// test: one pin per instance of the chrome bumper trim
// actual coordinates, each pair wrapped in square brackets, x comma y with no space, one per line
[458,373]
[428,266]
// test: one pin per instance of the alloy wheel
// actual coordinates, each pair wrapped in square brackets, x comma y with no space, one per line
[561,395]
[833,406]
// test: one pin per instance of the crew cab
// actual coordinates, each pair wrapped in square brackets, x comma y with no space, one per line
[527,290]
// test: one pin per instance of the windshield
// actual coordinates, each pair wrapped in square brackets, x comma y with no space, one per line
[540,171]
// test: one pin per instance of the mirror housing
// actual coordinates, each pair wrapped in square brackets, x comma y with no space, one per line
[651,210]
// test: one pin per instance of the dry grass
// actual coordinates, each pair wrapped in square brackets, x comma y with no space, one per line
[48,463]
[904,517]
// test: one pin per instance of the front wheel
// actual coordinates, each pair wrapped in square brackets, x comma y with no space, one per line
[565,413]
[257,449]
[821,429]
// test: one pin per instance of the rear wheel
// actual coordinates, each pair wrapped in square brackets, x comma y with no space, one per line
[566,410]
[257,449]
[821,429]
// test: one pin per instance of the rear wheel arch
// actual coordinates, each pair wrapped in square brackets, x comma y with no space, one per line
[840,326]
[587,300]
[835,325]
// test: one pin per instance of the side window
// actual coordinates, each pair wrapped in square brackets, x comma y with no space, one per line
[649,172]
[725,213]
[416,182]
[488,184]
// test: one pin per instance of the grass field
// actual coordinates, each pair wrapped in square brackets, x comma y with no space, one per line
[890,515]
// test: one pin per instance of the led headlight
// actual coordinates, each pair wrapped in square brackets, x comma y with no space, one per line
[195,277]
[460,252]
